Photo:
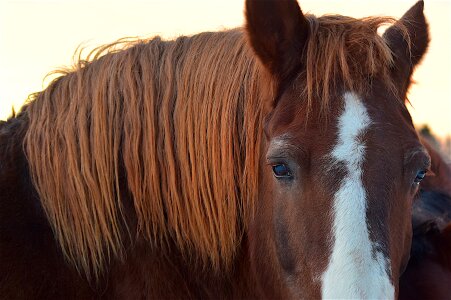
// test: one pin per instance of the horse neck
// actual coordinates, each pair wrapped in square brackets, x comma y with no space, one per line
[163,273]
[12,157]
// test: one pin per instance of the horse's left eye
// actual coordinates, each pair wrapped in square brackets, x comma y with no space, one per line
[281,171]
[420,176]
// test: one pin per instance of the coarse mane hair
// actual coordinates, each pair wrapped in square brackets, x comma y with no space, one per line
[181,122]
[183,119]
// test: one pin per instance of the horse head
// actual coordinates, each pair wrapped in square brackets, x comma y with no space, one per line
[341,158]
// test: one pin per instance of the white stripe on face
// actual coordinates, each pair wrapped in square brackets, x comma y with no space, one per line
[356,269]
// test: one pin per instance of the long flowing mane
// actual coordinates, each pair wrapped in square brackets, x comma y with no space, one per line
[183,117]
[181,122]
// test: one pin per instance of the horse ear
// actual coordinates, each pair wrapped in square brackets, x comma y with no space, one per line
[409,37]
[277,31]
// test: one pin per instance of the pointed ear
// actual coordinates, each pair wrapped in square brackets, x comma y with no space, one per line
[409,45]
[277,31]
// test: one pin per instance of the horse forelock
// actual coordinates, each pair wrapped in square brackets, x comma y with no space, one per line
[181,119]
[345,54]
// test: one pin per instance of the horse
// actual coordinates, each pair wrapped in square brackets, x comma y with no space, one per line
[277,160]
[428,273]
[440,180]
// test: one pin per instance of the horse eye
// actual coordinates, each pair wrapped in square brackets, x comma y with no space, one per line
[281,171]
[420,176]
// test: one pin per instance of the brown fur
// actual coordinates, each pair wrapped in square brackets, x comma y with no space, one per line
[184,117]
[428,274]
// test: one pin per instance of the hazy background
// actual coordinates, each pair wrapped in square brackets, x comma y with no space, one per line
[38,36]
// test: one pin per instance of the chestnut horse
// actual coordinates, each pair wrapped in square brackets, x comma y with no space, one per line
[275,161]
[428,274]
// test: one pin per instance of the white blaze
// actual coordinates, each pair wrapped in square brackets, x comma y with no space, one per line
[354,272]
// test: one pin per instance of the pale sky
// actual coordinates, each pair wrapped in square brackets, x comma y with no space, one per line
[38,36]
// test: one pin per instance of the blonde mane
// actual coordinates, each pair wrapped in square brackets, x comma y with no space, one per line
[183,121]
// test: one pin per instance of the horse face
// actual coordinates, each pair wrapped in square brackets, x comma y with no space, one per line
[339,176]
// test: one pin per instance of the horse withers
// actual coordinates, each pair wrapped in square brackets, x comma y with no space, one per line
[274,161]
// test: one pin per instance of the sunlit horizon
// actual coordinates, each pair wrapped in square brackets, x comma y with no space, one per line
[37,37]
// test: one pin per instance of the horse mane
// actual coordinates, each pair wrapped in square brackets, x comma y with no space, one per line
[181,116]
[181,122]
